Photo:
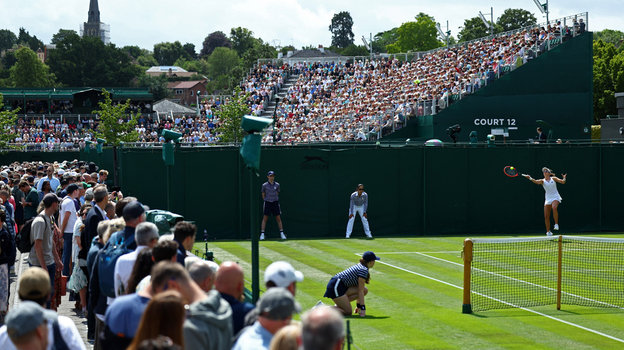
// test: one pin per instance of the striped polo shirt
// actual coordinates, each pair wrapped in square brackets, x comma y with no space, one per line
[271,191]
[350,276]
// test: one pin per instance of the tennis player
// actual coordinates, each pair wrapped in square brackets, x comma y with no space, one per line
[553,198]
[270,195]
[349,285]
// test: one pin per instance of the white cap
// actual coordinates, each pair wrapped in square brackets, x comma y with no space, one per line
[4,174]
[282,274]
[61,171]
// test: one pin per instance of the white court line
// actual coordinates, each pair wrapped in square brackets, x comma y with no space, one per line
[486,296]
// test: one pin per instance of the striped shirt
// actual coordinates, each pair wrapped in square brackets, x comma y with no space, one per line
[271,191]
[358,201]
[350,276]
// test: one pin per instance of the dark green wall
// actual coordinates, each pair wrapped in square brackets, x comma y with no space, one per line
[556,87]
[413,190]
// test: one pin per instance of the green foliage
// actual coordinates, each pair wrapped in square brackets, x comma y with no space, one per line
[259,50]
[341,28]
[190,50]
[167,53]
[416,36]
[28,71]
[87,61]
[352,50]
[474,28]
[611,36]
[116,126]
[7,122]
[231,116]
[223,73]
[134,51]
[7,39]
[62,34]
[608,74]
[146,61]
[25,38]
[8,60]
[242,40]
[157,85]
[284,50]
[212,41]
[200,66]
[515,18]
[383,39]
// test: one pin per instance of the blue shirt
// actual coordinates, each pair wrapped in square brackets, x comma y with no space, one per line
[124,314]
[255,337]
[271,191]
[239,310]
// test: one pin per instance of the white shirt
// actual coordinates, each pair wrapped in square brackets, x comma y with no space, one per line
[550,187]
[123,269]
[68,329]
[68,206]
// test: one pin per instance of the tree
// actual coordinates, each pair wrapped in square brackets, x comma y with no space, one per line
[156,85]
[608,74]
[200,66]
[354,50]
[231,116]
[383,39]
[416,36]
[611,36]
[133,51]
[7,39]
[257,51]
[242,40]
[29,71]
[190,50]
[87,61]
[341,28]
[474,28]
[287,48]
[212,41]
[167,53]
[222,63]
[62,34]
[31,41]
[116,126]
[515,18]
[7,122]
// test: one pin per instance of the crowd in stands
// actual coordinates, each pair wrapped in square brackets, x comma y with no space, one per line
[335,101]
[135,288]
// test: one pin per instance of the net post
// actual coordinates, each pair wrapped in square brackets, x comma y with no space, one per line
[467,254]
[559,259]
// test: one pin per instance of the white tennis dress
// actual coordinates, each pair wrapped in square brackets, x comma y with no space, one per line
[550,186]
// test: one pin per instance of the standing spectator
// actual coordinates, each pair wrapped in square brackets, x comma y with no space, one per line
[27,328]
[270,195]
[34,287]
[541,136]
[45,188]
[9,209]
[94,216]
[7,258]
[323,329]
[230,283]
[203,273]
[184,233]
[54,182]
[67,220]
[164,315]
[282,274]
[30,201]
[358,204]
[80,274]
[43,252]
[102,176]
[18,197]
[275,307]
[146,236]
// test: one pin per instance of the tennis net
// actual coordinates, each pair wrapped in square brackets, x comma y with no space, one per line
[527,272]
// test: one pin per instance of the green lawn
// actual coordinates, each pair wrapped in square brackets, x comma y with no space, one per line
[415,297]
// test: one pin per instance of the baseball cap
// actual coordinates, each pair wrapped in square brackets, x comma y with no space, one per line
[71,188]
[34,283]
[26,318]
[85,185]
[282,274]
[4,174]
[370,256]
[271,172]
[49,198]
[61,172]
[277,304]
[133,210]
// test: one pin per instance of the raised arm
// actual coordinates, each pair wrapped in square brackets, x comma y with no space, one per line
[561,181]
[537,182]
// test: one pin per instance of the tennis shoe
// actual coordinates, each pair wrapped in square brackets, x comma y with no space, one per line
[282,235]
[548,233]
[347,236]
[318,303]
[262,236]
[556,228]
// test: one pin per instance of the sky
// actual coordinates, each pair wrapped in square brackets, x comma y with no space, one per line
[278,22]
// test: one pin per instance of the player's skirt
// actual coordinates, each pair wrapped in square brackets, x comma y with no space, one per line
[335,288]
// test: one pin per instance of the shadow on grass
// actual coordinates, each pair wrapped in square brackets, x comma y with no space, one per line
[368,317]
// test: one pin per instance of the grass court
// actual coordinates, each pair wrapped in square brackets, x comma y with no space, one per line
[415,297]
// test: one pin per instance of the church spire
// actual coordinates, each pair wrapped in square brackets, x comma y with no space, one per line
[94,12]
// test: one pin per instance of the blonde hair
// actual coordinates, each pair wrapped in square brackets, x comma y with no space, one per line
[114,225]
[287,338]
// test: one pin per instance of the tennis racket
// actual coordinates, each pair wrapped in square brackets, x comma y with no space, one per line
[510,171]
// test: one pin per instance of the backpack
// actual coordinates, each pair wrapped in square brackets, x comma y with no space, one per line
[22,239]
[106,259]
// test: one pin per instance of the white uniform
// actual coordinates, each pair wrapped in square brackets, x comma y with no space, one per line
[550,186]
[358,205]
